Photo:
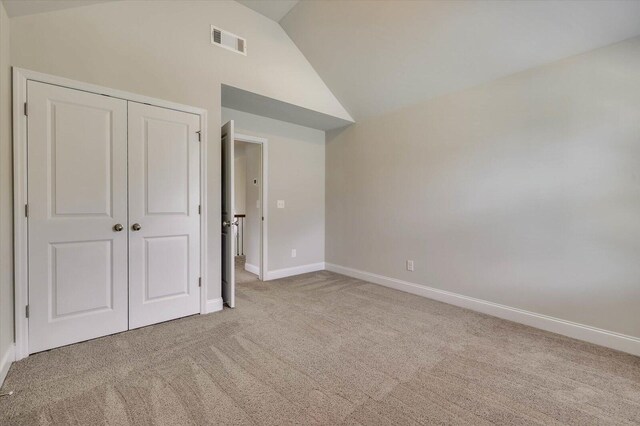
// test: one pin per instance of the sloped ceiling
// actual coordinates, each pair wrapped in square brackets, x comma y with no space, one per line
[378,56]
[272,9]
[30,7]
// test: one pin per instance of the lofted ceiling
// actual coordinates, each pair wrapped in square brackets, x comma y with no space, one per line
[378,56]
[30,7]
[272,9]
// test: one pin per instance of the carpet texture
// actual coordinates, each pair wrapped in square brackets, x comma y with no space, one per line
[322,348]
[243,276]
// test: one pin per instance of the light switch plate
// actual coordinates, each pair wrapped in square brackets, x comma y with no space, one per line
[410,265]
[280,204]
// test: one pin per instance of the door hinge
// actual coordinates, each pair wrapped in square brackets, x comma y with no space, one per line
[199,133]
[26,311]
[199,209]
[26,111]
[26,210]
[200,282]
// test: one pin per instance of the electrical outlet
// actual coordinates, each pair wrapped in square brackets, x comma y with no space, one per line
[257,204]
[410,265]
[294,253]
[280,204]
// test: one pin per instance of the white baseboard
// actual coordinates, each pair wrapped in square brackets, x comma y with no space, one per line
[214,305]
[252,268]
[8,357]
[296,270]
[587,333]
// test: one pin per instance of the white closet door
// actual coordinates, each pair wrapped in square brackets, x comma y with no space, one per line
[164,231]
[77,195]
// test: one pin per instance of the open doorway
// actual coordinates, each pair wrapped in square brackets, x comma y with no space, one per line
[253,220]
[296,192]
[250,202]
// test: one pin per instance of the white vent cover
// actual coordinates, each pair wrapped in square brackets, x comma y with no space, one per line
[228,40]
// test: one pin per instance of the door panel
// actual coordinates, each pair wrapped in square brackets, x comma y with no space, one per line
[81,290]
[164,196]
[75,155]
[228,203]
[167,175]
[167,260]
[77,177]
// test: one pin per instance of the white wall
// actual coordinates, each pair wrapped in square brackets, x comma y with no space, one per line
[296,174]
[6,197]
[162,49]
[524,192]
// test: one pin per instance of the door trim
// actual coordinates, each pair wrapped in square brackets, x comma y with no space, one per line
[21,279]
[263,198]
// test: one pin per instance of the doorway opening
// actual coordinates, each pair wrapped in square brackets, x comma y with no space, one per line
[297,154]
[250,202]
[244,210]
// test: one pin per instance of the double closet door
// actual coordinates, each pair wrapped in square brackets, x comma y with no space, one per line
[113,215]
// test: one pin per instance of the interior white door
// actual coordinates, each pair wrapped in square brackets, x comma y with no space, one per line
[77,202]
[228,223]
[164,218]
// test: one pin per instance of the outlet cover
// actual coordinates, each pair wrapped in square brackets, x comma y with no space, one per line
[294,253]
[410,265]
[280,204]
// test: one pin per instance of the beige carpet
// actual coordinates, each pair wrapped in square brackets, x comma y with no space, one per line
[243,276]
[322,348]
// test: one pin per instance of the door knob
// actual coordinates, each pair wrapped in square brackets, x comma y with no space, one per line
[118,227]
[136,227]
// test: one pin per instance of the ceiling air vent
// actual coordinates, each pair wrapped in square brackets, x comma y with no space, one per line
[228,40]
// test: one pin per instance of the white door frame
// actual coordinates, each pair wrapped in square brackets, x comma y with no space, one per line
[21,286]
[240,137]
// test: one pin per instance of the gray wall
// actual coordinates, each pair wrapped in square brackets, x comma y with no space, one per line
[162,49]
[523,192]
[6,193]
[296,174]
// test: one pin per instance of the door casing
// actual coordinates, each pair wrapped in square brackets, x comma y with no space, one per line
[21,294]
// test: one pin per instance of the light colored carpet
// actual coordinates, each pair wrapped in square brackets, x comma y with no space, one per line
[243,276]
[322,348]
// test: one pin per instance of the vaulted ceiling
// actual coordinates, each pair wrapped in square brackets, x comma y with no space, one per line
[30,7]
[272,9]
[378,56]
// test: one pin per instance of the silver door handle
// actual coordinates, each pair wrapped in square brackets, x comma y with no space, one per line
[228,224]
[136,227]
[118,227]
